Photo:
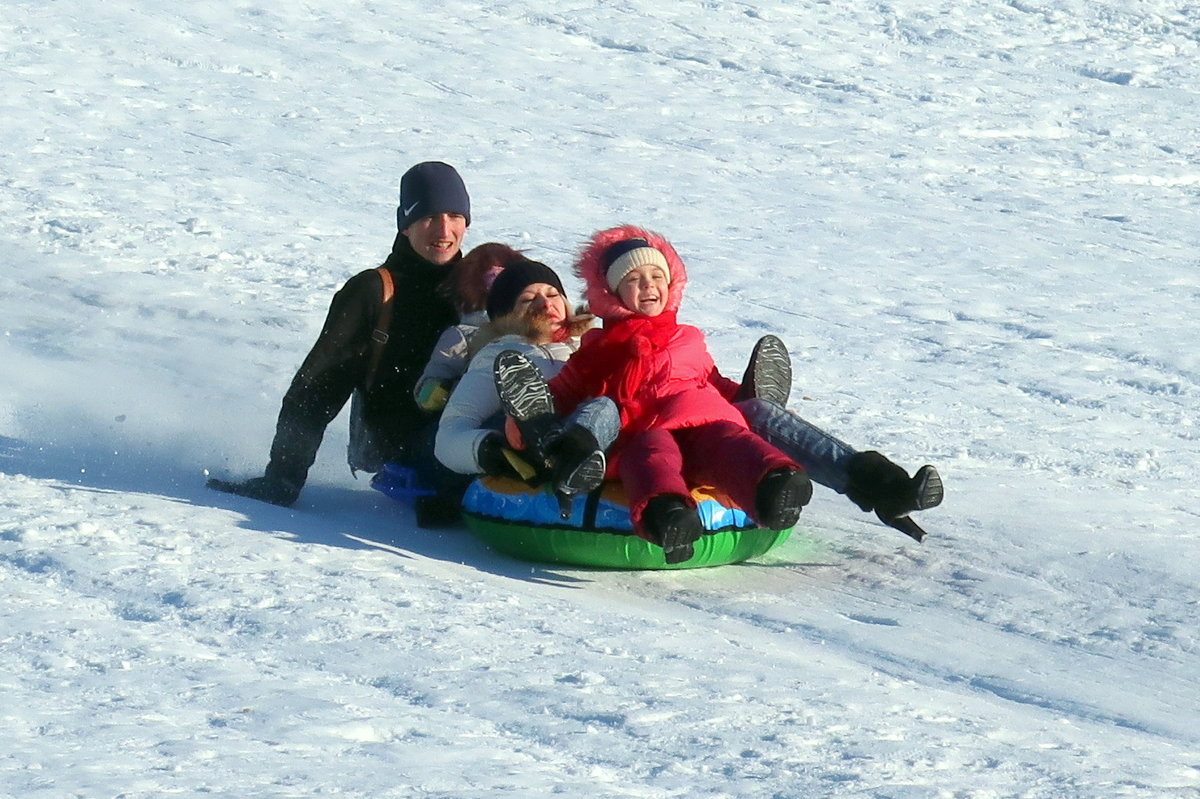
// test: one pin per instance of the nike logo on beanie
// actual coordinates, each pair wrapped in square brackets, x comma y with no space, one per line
[435,188]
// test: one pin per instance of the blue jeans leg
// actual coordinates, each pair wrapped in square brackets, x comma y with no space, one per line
[600,417]
[824,457]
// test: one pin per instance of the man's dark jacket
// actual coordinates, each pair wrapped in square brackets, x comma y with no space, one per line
[340,358]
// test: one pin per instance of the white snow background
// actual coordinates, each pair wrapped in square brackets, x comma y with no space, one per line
[974,223]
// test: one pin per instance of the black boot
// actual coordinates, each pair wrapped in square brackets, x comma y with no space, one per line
[275,490]
[527,400]
[769,374]
[673,525]
[577,461]
[878,484]
[779,498]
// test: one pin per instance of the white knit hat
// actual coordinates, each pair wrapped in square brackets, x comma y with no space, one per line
[625,256]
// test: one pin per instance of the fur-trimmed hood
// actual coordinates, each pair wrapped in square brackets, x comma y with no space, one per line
[590,268]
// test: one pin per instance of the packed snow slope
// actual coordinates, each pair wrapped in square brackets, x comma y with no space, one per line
[974,223]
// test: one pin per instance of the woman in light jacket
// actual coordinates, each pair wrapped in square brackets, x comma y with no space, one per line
[528,312]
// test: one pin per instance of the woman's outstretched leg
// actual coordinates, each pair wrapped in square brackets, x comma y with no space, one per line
[824,457]
[869,479]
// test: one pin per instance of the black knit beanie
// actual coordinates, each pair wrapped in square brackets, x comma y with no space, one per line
[513,280]
[429,188]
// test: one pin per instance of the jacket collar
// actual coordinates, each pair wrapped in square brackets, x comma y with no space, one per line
[404,260]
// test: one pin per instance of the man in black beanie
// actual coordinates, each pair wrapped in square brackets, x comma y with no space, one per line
[374,348]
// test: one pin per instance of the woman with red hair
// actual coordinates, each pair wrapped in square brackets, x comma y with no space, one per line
[467,286]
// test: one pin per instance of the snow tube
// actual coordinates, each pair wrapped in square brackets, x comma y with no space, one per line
[525,523]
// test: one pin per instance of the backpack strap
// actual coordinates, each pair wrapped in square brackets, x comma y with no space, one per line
[379,336]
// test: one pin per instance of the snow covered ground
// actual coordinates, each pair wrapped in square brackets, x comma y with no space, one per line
[974,223]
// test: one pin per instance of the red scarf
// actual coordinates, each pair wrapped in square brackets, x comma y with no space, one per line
[615,364]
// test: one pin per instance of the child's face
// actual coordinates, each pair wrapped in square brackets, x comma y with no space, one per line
[644,290]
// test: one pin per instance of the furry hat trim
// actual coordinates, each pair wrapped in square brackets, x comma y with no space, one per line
[593,265]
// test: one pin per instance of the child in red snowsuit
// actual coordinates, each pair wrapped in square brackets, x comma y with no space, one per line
[679,429]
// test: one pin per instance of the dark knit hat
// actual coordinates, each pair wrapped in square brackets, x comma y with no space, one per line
[429,188]
[515,279]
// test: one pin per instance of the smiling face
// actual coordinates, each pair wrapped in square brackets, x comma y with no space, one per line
[544,307]
[437,238]
[644,290]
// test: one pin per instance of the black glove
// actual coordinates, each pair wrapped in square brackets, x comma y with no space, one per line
[275,490]
[492,459]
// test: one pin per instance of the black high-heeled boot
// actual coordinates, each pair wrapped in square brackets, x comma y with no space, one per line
[877,484]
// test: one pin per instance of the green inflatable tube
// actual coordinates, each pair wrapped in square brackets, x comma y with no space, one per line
[525,523]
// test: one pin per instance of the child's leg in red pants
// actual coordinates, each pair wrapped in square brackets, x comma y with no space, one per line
[729,457]
[650,465]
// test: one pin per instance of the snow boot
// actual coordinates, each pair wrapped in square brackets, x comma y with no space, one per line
[673,525]
[779,498]
[577,462]
[526,398]
[768,376]
[877,484]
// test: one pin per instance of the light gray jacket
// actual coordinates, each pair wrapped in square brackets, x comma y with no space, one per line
[474,407]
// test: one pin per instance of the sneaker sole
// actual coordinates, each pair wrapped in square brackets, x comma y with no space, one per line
[929,488]
[522,389]
[789,503]
[773,379]
[588,475]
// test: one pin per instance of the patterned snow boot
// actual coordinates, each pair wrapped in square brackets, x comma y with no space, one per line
[526,399]
[768,375]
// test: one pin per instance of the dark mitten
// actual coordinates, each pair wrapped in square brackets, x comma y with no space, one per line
[674,525]
[492,458]
[779,498]
[275,490]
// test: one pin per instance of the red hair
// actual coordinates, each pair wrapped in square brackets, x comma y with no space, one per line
[471,277]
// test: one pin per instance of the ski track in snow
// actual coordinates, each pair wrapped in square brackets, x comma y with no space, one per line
[973,224]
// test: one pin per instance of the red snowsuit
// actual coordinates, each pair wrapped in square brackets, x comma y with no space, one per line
[679,429]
